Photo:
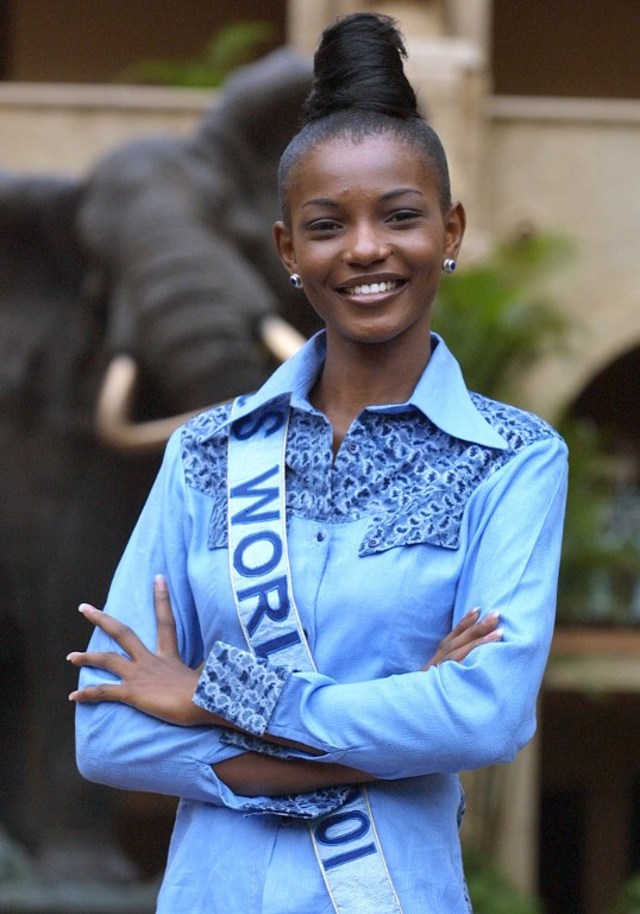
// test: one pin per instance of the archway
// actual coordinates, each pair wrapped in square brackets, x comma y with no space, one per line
[609,400]
[590,774]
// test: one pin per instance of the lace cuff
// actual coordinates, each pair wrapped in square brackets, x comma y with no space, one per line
[303,806]
[253,744]
[241,687]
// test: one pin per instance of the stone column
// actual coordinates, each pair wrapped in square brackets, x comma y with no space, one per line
[307,18]
[470,19]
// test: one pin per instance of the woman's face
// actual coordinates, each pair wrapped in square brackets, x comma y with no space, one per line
[367,236]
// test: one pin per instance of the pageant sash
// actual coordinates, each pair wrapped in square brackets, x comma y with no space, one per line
[345,842]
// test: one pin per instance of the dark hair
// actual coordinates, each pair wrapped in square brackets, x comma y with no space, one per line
[360,89]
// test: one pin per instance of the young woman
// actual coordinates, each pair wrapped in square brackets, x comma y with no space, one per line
[323,545]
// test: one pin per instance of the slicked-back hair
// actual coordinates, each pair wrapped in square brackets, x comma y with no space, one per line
[359,90]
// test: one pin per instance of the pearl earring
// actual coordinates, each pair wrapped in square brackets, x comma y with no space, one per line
[295,280]
[448,265]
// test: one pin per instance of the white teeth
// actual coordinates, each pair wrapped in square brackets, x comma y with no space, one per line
[372,288]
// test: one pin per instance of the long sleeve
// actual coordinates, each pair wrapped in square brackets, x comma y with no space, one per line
[120,746]
[455,716]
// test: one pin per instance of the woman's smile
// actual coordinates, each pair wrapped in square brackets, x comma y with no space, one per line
[372,291]
[368,236]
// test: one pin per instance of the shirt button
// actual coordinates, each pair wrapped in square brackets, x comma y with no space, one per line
[352,447]
[321,536]
[373,543]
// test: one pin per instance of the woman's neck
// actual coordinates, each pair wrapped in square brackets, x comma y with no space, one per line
[355,377]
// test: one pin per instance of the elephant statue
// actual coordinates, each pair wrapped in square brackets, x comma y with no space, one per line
[130,297]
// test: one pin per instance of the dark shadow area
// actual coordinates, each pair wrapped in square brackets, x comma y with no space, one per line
[549,48]
[562,821]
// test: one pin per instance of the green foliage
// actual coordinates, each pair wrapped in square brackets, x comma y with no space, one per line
[601,548]
[629,901]
[492,893]
[494,317]
[233,46]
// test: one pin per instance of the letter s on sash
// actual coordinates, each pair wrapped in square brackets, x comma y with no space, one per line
[246,428]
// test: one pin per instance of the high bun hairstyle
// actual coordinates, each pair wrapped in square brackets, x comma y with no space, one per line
[360,89]
[358,64]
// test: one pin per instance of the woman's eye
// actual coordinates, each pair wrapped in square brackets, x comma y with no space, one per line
[323,225]
[404,215]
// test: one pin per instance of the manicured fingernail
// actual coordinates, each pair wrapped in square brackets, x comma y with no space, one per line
[473,612]
[495,635]
[491,617]
[87,608]
[69,656]
[160,582]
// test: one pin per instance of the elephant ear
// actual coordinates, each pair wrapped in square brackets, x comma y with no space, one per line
[46,327]
[113,422]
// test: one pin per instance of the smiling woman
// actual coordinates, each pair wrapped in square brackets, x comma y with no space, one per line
[354,565]
[369,254]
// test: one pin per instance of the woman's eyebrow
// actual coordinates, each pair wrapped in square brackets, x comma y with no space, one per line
[389,195]
[320,201]
[401,191]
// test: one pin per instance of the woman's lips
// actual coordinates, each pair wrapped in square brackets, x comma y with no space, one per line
[372,288]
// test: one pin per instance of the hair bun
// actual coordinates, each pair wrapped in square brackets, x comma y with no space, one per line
[359,64]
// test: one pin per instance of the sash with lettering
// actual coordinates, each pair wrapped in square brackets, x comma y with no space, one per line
[345,841]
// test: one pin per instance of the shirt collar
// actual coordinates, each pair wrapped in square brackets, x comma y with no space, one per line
[440,394]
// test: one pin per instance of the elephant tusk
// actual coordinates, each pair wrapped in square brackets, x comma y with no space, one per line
[281,339]
[113,425]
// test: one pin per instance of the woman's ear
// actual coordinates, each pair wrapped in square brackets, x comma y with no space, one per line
[454,226]
[284,246]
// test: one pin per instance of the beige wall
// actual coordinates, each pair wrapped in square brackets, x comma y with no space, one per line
[571,166]
[52,128]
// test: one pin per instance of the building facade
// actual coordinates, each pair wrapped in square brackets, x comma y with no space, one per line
[538,105]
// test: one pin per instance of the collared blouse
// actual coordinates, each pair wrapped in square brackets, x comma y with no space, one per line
[430,508]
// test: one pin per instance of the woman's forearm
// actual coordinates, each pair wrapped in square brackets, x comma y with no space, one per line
[253,774]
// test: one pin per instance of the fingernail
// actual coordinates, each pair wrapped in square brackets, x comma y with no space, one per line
[495,635]
[87,608]
[492,616]
[160,582]
[69,656]
[473,612]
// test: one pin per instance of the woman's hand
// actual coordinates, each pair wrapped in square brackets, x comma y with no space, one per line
[468,634]
[160,683]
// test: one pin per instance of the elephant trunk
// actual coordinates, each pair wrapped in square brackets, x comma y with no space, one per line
[113,424]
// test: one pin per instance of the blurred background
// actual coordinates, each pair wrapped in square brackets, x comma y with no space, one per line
[114,141]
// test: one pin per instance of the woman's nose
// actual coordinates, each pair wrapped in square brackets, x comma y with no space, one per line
[366,245]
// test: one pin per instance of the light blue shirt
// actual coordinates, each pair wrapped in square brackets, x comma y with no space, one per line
[431,507]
